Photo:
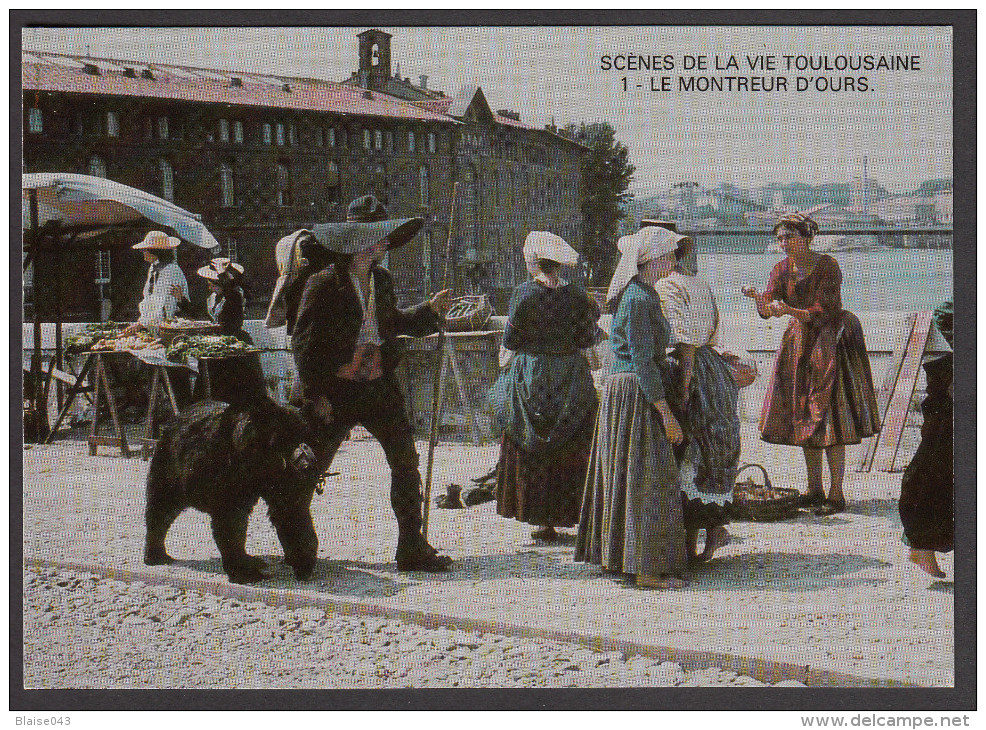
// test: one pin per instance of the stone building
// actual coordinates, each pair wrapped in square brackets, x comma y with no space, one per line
[261,155]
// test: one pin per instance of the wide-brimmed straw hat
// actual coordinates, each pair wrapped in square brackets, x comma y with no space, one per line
[219,266]
[366,223]
[158,240]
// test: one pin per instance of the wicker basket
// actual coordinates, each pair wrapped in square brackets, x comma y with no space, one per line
[762,503]
[468,313]
[167,333]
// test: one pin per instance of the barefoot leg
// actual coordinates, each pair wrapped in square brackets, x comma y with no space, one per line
[928,562]
[691,545]
[813,465]
[836,456]
[715,538]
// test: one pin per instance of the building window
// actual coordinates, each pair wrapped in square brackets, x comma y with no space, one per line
[28,278]
[319,137]
[97,166]
[112,124]
[332,138]
[102,267]
[332,182]
[224,130]
[232,253]
[432,144]
[390,141]
[280,135]
[283,184]
[34,120]
[366,139]
[378,139]
[292,134]
[238,132]
[268,134]
[167,180]
[162,127]
[410,141]
[226,185]
[426,259]
[423,185]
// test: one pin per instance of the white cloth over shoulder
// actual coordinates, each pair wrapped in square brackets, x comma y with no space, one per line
[287,254]
[545,245]
[159,303]
[690,308]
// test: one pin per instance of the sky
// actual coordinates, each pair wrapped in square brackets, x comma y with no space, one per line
[902,122]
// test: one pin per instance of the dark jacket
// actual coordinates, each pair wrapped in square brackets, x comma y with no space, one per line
[329,320]
[227,312]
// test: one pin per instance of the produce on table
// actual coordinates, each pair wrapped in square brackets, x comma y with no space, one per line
[180,323]
[137,341]
[198,346]
[106,337]
[92,335]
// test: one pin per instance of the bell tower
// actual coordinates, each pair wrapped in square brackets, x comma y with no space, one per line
[374,58]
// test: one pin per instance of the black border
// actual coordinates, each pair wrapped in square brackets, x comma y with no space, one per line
[961,697]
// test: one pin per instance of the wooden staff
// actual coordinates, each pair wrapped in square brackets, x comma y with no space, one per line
[436,377]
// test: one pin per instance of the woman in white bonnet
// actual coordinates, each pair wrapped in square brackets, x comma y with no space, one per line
[544,399]
[709,396]
[631,522]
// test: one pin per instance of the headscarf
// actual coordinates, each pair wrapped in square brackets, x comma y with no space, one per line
[636,250]
[801,222]
[287,253]
[545,245]
[686,253]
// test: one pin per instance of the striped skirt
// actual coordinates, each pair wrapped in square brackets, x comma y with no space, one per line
[631,519]
[712,428]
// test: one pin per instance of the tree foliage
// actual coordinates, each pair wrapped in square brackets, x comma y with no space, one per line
[606,175]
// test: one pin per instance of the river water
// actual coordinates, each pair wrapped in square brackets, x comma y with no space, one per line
[881,280]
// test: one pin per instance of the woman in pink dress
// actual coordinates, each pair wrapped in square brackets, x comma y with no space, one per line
[821,396]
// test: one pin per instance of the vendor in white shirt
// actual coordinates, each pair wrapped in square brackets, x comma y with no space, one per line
[166,290]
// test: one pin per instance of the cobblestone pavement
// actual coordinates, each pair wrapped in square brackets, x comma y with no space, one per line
[835,598]
[87,632]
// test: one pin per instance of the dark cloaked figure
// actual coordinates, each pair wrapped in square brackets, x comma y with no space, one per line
[238,379]
[927,491]
[227,299]
[544,400]
[222,459]
[345,345]
[821,396]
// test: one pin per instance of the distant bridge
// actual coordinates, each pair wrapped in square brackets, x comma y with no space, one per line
[824,231]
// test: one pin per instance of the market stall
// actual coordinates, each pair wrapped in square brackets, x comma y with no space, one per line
[64,215]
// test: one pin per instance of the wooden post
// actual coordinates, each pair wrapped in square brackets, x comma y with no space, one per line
[37,391]
[437,373]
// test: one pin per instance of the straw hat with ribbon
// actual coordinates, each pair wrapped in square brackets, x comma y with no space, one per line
[219,266]
[366,223]
[158,240]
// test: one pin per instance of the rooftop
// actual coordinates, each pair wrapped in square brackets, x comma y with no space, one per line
[82,75]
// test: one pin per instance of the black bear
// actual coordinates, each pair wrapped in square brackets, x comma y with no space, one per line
[221,459]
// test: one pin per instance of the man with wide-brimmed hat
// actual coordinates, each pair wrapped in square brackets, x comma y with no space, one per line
[166,289]
[346,348]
